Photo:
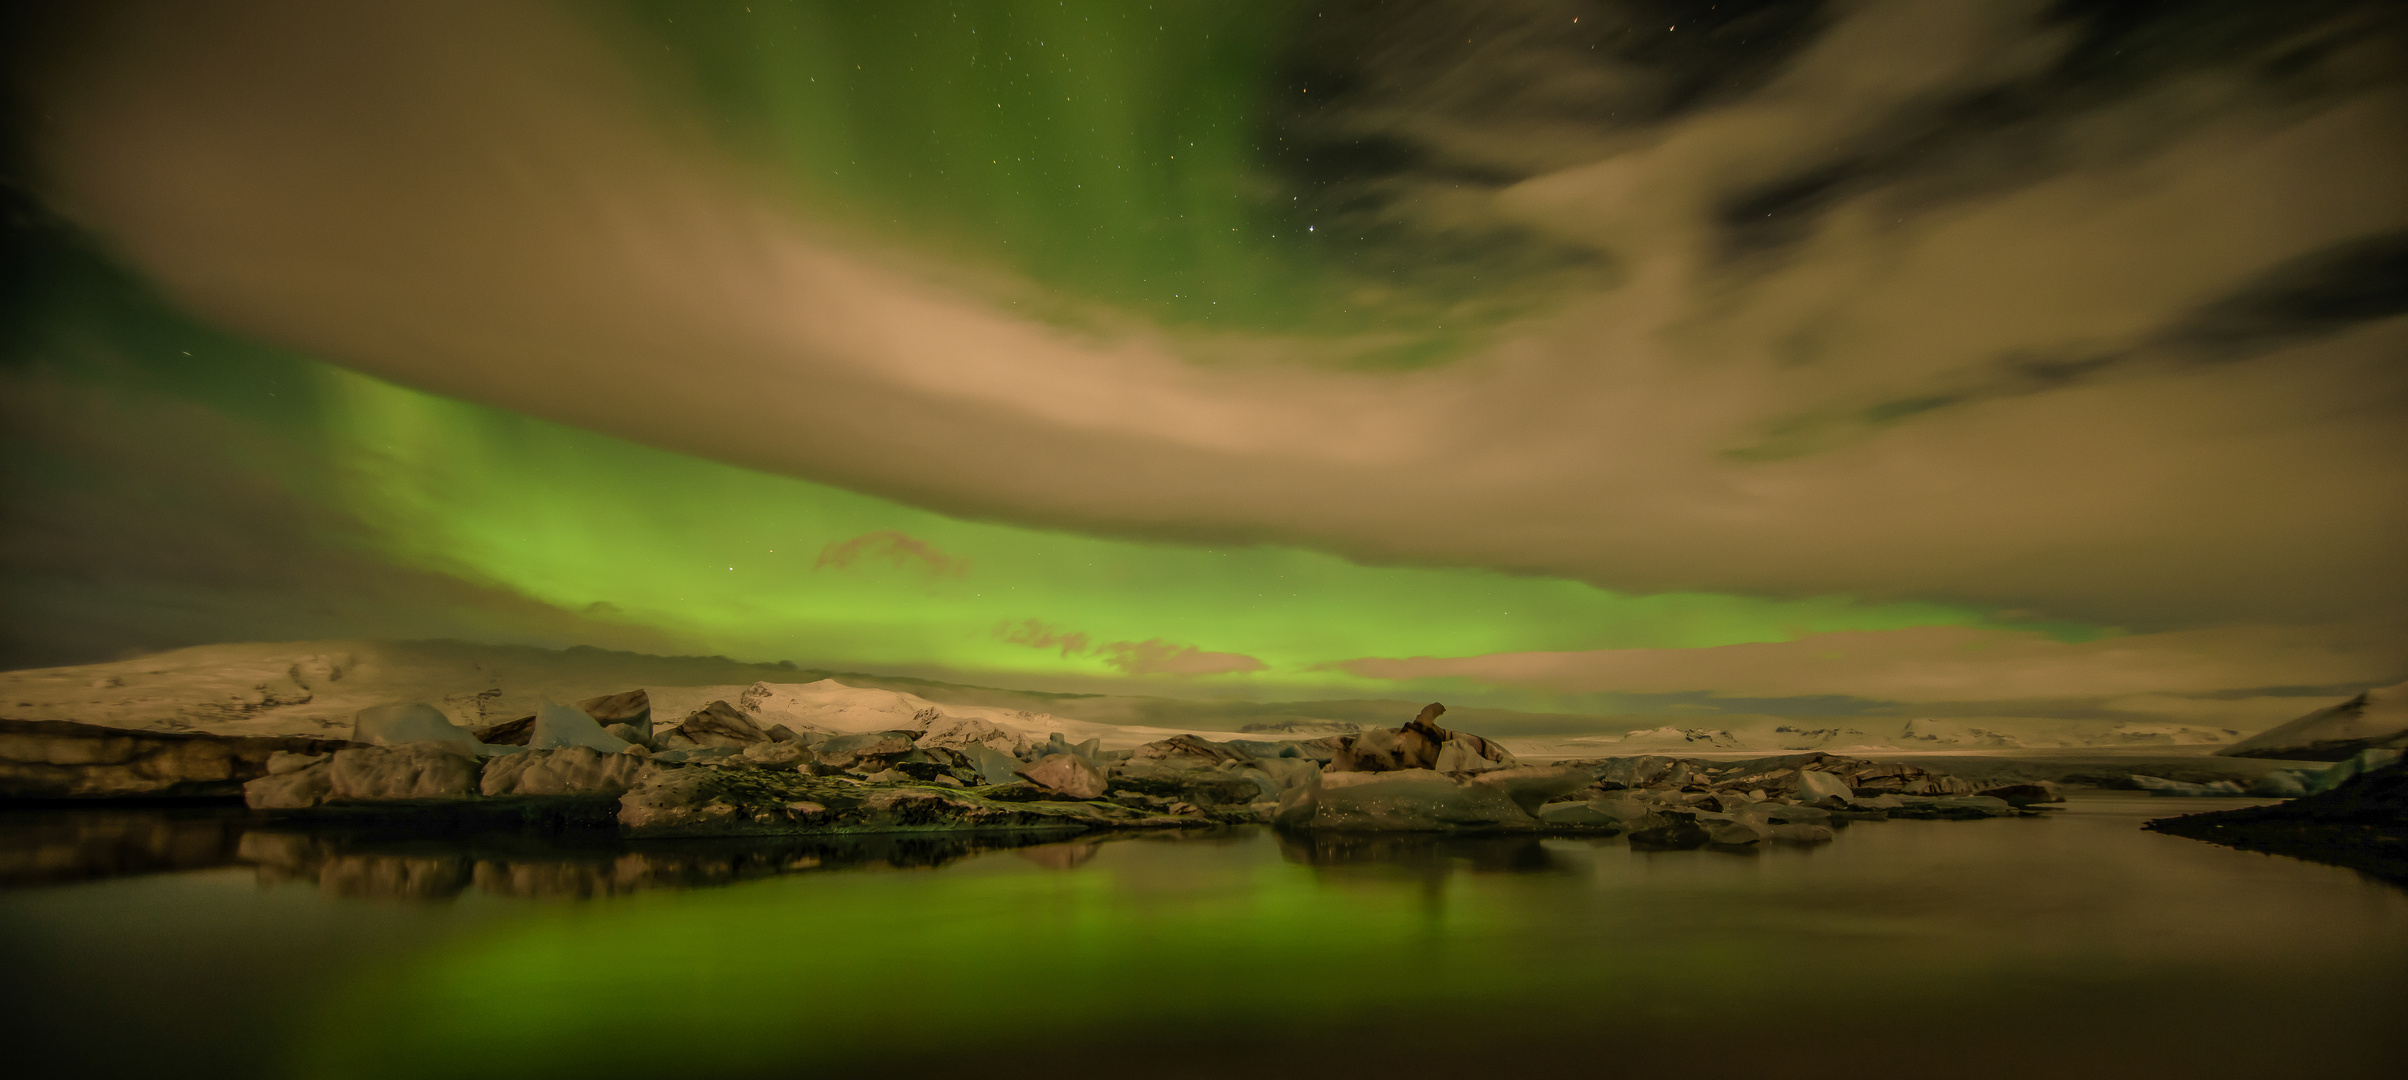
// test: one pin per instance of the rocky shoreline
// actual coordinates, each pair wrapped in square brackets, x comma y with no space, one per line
[602,770]
[60,759]
[602,765]
[2361,823]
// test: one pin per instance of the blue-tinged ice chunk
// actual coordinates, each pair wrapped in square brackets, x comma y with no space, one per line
[2280,784]
[2358,764]
[2158,785]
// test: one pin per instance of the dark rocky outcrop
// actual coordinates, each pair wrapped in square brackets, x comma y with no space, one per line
[1205,788]
[2362,824]
[2036,792]
[1421,777]
[507,733]
[1426,800]
[354,774]
[1066,774]
[1419,744]
[59,759]
[1302,727]
[1187,752]
[718,773]
[569,770]
[1672,804]
[1813,775]
[422,772]
[633,708]
[867,752]
[716,724]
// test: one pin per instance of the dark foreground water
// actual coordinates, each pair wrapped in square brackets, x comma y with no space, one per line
[2076,945]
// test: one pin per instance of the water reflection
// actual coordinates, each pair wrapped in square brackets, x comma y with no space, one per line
[2076,945]
[46,847]
[347,868]
[55,846]
[1419,855]
[59,846]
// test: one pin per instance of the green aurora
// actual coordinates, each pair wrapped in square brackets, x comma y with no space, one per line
[541,508]
[1120,165]
[732,561]
[1161,161]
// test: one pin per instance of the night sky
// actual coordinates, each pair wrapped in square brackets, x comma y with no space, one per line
[2007,359]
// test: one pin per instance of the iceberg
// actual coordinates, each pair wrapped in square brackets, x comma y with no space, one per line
[406,722]
[563,725]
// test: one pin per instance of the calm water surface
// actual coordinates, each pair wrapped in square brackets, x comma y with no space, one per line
[2075,945]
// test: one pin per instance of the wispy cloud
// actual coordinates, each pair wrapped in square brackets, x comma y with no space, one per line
[1152,656]
[1947,664]
[1042,635]
[896,547]
[1157,657]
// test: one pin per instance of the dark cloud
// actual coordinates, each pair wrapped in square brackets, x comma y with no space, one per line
[1495,92]
[2316,295]
[2028,122]
[1391,120]
[2309,298]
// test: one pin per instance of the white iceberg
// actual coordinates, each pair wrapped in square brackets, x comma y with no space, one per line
[557,726]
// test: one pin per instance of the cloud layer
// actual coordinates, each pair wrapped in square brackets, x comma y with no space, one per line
[1974,302]
[1947,664]
[1935,386]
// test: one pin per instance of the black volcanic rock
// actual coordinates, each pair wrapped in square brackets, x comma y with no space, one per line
[2362,824]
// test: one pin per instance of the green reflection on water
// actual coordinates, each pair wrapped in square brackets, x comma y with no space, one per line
[837,966]
[2078,941]
[2075,945]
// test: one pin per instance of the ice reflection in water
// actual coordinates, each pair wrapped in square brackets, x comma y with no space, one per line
[73,845]
[2070,946]
[58,846]
[49,847]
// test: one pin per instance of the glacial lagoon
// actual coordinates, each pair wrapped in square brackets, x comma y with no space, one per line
[195,943]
